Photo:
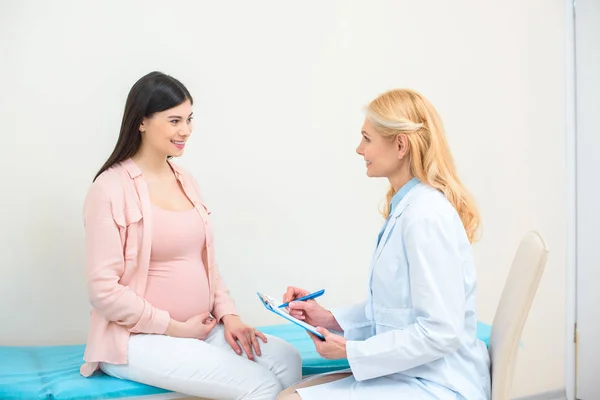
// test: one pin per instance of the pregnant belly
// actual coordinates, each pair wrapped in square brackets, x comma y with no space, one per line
[180,289]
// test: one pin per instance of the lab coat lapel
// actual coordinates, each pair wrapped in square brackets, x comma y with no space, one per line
[397,212]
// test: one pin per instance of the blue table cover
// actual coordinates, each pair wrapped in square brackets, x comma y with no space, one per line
[52,372]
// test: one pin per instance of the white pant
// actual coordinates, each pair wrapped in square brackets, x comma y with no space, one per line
[210,368]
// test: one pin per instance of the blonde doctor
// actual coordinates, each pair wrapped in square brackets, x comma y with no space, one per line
[415,335]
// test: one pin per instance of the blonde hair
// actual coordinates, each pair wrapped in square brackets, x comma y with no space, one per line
[404,111]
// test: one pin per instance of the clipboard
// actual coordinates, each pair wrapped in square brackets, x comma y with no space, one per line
[272,305]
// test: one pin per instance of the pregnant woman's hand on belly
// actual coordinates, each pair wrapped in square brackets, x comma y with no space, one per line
[197,327]
[236,330]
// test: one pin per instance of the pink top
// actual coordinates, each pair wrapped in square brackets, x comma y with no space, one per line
[177,280]
[118,221]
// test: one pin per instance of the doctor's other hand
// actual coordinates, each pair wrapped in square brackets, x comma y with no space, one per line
[332,348]
[309,311]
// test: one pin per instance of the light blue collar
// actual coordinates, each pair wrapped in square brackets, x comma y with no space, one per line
[401,193]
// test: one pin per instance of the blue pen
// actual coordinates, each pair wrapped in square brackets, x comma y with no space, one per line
[304,298]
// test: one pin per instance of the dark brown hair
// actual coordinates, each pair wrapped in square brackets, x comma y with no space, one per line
[152,93]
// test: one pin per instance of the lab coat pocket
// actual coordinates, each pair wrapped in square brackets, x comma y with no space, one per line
[391,319]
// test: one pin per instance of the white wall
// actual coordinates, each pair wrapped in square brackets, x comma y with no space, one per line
[278,90]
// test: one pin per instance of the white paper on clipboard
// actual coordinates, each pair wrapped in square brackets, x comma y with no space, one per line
[273,305]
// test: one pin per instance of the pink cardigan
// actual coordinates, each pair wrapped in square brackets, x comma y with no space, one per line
[118,228]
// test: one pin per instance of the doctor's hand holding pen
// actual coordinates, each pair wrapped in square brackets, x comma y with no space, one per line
[309,311]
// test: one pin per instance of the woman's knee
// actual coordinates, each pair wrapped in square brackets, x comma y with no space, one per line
[268,387]
[286,361]
[283,350]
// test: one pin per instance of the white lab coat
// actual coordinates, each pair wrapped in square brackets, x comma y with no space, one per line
[415,335]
